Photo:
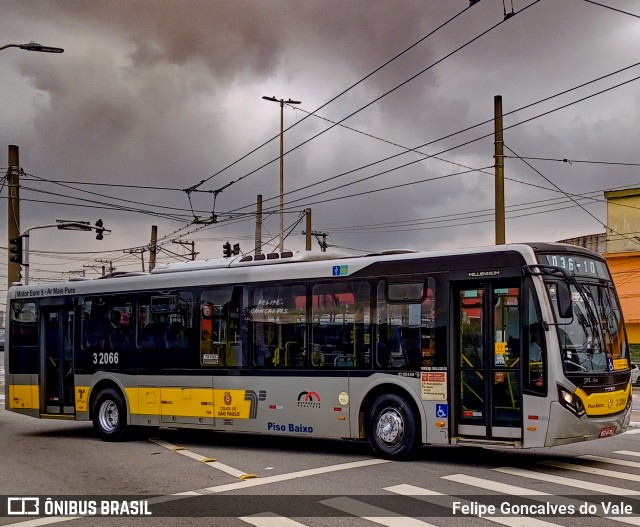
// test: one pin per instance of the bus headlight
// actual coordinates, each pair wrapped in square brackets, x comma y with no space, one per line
[571,402]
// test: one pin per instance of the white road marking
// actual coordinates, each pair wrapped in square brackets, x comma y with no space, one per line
[592,470]
[627,453]
[372,513]
[229,487]
[513,490]
[269,519]
[444,500]
[202,459]
[612,461]
[569,482]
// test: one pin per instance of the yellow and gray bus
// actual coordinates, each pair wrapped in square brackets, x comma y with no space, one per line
[520,345]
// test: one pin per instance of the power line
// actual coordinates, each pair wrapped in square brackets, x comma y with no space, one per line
[545,99]
[398,55]
[379,97]
[612,8]
[571,198]
[88,183]
[99,195]
[572,161]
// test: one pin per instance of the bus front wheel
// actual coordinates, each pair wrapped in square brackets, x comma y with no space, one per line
[393,427]
[110,415]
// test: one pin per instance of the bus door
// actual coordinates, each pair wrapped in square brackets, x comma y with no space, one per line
[57,354]
[487,358]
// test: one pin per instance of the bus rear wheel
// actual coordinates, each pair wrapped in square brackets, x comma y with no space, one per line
[392,427]
[110,415]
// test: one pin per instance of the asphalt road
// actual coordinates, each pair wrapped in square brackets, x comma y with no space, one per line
[219,479]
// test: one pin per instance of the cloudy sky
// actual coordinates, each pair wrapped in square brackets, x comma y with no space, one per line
[154,97]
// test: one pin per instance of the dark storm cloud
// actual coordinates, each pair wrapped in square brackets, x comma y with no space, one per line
[167,93]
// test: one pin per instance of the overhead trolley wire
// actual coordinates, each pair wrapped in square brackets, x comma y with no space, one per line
[448,55]
[572,199]
[572,161]
[102,196]
[453,134]
[454,147]
[343,92]
[612,8]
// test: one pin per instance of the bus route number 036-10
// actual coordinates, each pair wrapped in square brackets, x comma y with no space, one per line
[105,358]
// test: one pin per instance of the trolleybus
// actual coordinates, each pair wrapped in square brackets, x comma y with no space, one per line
[520,345]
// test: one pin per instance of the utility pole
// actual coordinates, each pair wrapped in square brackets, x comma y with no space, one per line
[13,180]
[281,101]
[94,268]
[308,231]
[13,211]
[153,248]
[110,262]
[140,251]
[186,244]
[321,242]
[499,171]
[258,245]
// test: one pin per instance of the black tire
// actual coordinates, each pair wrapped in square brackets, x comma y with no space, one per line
[393,427]
[110,415]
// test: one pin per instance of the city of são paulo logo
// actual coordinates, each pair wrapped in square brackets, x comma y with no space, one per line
[308,400]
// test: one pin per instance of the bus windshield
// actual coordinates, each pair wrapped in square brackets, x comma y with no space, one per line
[593,340]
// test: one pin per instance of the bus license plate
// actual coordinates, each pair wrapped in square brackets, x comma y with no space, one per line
[607,431]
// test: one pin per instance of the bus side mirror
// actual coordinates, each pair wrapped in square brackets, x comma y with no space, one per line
[563,298]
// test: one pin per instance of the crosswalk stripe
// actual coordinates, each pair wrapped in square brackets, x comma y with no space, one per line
[592,470]
[269,519]
[372,513]
[612,461]
[496,486]
[627,452]
[569,482]
[514,490]
[444,500]
[632,431]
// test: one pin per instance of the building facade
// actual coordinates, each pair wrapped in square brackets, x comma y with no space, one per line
[620,245]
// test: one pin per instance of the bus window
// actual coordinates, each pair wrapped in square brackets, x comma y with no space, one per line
[341,330]
[536,354]
[106,323]
[278,322]
[165,329]
[219,328]
[23,328]
[405,336]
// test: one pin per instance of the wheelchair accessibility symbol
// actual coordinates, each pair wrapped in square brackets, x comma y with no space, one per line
[442,410]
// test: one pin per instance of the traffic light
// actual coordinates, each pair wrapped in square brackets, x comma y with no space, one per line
[16,250]
[99,230]
[226,250]
[236,249]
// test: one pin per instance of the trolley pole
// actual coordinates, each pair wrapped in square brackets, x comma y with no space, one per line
[499,171]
